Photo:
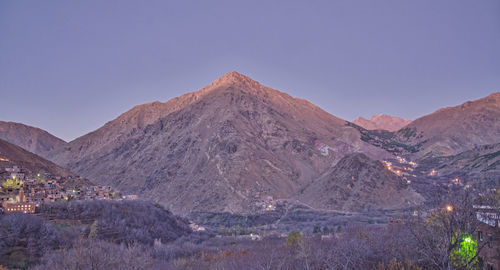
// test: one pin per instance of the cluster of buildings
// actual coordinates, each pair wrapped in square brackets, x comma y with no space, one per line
[488,237]
[22,193]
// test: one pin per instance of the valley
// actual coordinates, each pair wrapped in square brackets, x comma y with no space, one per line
[249,135]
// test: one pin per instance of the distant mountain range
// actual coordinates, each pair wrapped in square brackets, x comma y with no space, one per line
[235,143]
[382,121]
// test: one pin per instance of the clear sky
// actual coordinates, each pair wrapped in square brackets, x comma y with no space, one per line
[70,66]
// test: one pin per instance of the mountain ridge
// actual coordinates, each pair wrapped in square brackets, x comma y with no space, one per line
[358,183]
[11,155]
[382,121]
[30,138]
[451,130]
[234,142]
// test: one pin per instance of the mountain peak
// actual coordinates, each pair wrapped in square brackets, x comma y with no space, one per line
[233,77]
[382,121]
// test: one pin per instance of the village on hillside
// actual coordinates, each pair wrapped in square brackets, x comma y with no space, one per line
[23,191]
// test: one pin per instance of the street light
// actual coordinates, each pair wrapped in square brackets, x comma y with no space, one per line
[449,208]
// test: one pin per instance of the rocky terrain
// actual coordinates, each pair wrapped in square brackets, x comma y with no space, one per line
[382,121]
[33,139]
[481,162]
[358,183]
[11,155]
[222,148]
[446,132]
[453,130]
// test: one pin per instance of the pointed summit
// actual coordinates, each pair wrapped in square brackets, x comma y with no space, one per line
[234,75]
[235,78]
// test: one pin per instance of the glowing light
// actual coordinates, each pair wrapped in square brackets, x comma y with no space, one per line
[432,172]
[4,159]
[449,208]
[465,252]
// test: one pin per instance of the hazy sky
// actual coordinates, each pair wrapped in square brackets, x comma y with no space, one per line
[70,66]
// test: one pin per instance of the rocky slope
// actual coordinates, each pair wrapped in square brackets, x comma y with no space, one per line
[30,138]
[382,121]
[453,130]
[222,148]
[446,132]
[481,162]
[358,183]
[11,154]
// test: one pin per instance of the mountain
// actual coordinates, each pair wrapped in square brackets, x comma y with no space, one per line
[453,130]
[446,132]
[359,183]
[481,162]
[11,154]
[222,148]
[382,121]
[30,138]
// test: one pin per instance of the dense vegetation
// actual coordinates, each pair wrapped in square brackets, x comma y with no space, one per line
[120,221]
[69,226]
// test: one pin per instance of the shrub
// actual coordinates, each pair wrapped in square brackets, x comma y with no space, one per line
[294,238]
[97,255]
[24,239]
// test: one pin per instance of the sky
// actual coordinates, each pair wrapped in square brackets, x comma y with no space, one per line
[69,67]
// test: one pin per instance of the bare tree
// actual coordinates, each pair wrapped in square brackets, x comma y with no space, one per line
[97,255]
[439,235]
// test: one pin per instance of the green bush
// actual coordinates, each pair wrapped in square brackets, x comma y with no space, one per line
[294,238]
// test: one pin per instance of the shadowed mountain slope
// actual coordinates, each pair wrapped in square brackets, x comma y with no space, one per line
[33,139]
[358,183]
[479,163]
[11,154]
